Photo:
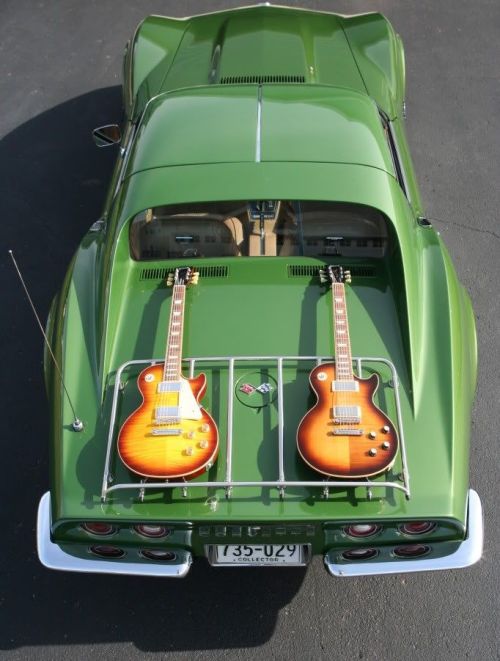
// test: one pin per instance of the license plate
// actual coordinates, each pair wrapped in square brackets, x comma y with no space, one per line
[258,555]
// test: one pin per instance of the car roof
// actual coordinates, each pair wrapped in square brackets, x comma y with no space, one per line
[254,123]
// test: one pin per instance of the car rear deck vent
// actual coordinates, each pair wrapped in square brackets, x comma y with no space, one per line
[160,273]
[262,79]
[312,271]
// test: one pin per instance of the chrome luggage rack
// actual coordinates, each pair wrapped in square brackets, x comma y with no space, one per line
[281,483]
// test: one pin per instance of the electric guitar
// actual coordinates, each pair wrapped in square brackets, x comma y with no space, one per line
[170,435]
[344,435]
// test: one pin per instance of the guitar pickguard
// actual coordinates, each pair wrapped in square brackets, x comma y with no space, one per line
[188,406]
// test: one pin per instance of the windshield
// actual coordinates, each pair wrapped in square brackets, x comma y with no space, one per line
[261,228]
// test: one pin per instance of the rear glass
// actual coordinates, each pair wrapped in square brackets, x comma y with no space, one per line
[262,228]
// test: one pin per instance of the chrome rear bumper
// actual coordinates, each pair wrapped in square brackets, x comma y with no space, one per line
[53,556]
[468,552]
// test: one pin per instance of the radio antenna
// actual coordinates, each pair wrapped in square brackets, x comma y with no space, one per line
[77,424]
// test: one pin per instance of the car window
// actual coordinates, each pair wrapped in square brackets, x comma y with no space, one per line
[258,229]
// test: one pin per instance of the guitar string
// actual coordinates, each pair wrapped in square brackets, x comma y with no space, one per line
[342,396]
[337,396]
[171,369]
[343,359]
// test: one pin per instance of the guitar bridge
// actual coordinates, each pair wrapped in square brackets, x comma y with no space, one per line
[167,431]
[347,432]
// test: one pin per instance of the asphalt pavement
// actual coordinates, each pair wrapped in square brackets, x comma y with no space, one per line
[60,72]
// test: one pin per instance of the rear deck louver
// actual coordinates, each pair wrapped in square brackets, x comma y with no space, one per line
[310,271]
[204,271]
[260,80]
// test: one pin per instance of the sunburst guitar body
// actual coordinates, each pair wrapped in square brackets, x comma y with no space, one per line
[345,434]
[170,435]
[364,446]
[159,448]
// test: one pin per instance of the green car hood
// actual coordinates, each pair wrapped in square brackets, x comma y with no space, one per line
[266,44]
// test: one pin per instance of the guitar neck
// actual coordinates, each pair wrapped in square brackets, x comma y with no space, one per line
[343,358]
[173,354]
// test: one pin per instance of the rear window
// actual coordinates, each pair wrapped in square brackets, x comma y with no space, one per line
[263,228]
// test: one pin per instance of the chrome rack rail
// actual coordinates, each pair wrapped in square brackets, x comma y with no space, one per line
[281,483]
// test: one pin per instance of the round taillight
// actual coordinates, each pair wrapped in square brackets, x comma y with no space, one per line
[362,529]
[150,530]
[417,527]
[98,528]
[411,550]
[158,554]
[107,551]
[359,554]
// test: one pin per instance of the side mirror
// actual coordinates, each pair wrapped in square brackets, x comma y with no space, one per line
[104,136]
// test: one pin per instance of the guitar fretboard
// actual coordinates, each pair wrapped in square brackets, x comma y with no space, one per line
[173,356]
[343,359]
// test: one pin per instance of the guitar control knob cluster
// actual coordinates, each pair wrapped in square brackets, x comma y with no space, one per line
[372,452]
[386,429]
[372,434]
[205,428]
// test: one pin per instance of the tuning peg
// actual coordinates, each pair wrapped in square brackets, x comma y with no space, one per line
[170,280]
[194,278]
[347,276]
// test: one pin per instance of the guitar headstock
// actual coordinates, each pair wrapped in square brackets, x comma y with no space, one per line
[332,275]
[183,275]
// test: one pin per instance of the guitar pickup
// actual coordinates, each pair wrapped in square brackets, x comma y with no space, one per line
[166,413]
[169,386]
[345,386]
[346,414]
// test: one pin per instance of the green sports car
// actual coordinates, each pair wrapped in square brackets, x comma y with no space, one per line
[265,349]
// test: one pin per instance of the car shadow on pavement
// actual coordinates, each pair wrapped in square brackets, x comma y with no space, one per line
[53,183]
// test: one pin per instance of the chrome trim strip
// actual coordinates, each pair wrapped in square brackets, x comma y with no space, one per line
[281,423]
[256,483]
[53,557]
[397,153]
[229,436]
[467,554]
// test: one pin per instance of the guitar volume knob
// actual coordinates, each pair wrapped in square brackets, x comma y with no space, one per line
[188,451]
[372,434]
[372,452]
[386,429]
[386,445]
[203,444]
[205,428]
